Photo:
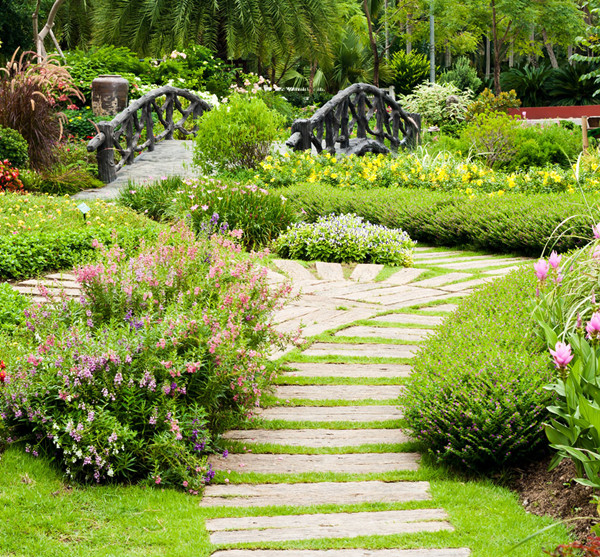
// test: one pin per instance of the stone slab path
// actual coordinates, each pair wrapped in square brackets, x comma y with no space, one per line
[357,424]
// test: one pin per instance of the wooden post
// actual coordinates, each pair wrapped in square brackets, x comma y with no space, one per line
[303,127]
[169,115]
[584,133]
[105,154]
[147,115]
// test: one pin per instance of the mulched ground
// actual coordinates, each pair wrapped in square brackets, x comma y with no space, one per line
[556,494]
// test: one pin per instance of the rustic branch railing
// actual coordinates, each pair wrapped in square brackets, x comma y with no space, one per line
[355,107]
[124,132]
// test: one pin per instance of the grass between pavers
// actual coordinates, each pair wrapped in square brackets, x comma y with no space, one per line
[304,380]
[242,447]
[340,424]
[326,402]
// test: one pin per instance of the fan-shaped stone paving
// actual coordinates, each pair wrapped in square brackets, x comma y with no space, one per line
[336,420]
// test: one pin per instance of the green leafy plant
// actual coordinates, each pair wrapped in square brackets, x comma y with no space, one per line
[237,134]
[13,147]
[345,238]
[530,83]
[488,102]
[438,104]
[475,398]
[12,305]
[568,85]
[463,75]
[407,71]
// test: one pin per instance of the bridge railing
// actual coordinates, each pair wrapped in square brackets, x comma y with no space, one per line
[133,130]
[355,107]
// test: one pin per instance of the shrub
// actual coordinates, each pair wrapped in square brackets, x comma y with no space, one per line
[260,214]
[12,305]
[13,147]
[488,102]
[530,83]
[588,548]
[568,87]
[80,123]
[438,104]
[237,134]
[475,398]
[463,75]
[124,383]
[9,178]
[407,71]
[346,238]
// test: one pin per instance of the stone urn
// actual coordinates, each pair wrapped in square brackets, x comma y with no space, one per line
[109,95]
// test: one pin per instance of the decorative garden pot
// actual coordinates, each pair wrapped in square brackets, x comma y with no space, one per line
[109,95]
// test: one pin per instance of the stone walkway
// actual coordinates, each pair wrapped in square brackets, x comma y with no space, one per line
[328,300]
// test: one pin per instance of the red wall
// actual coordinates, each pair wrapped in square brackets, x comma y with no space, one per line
[542,112]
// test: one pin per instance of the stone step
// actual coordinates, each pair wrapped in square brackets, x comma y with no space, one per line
[361,463]
[318,438]
[413,318]
[370,350]
[338,392]
[55,291]
[375,371]
[478,264]
[435,254]
[442,279]
[51,283]
[331,413]
[253,529]
[62,276]
[393,294]
[393,333]
[460,552]
[366,272]
[295,271]
[403,276]
[329,271]
[309,494]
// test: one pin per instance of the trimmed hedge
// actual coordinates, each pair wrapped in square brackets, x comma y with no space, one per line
[515,223]
[475,397]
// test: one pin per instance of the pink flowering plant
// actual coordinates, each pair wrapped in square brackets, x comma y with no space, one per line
[569,316]
[163,351]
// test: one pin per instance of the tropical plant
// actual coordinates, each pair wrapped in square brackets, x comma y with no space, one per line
[488,102]
[463,75]
[568,85]
[438,104]
[407,71]
[530,83]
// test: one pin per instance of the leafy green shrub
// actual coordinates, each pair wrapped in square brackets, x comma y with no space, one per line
[13,147]
[9,178]
[237,134]
[463,75]
[80,123]
[488,102]
[530,83]
[475,398]
[438,104]
[260,214]
[345,238]
[124,383]
[568,87]
[12,305]
[516,223]
[407,71]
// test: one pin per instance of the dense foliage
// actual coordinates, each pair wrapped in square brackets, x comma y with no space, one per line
[475,397]
[13,147]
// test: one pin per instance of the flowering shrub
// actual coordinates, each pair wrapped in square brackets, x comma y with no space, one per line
[260,214]
[161,351]
[346,238]
[443,172]
[475,398]
[9,178]
[588,548]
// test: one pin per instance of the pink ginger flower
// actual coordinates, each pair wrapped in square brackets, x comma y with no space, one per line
[541,269]
[562,355]
[554,260]
[593,326]
[596,231]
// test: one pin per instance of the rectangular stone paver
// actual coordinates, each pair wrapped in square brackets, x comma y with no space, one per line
[55,291]
[361,463]
[338,392]
[393,294]
[294,269]
[329,271]
[442,279]
[371,350]
[435,254]
[413,318]
[478,264]
[315,526]
[393,333]
[403,276]
[309,494]
[349,370]
[318,438]
[359,552]
[366,272]
[62,276]
[331,413]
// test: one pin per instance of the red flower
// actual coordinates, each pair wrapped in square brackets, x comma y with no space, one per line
[2,373]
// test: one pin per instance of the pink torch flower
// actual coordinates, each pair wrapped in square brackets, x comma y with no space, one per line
[593,326]
[554,260]
[562,355]
[596,231]
[541,269]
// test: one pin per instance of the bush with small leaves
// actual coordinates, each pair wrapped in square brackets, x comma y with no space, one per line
[13,147]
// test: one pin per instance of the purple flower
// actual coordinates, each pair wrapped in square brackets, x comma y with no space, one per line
[541,269]
[554,260]
[593,326]
[562,354]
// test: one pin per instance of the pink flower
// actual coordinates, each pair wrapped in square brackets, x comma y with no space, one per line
[596,253]
[541,269]
[593,326]
[562,355]
[596,231]
[554,260]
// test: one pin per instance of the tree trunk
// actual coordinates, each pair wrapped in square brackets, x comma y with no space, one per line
[550,50]
[311,79]
[41,51]
[373,45]
[497,49]
[448,56]
[409,29]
